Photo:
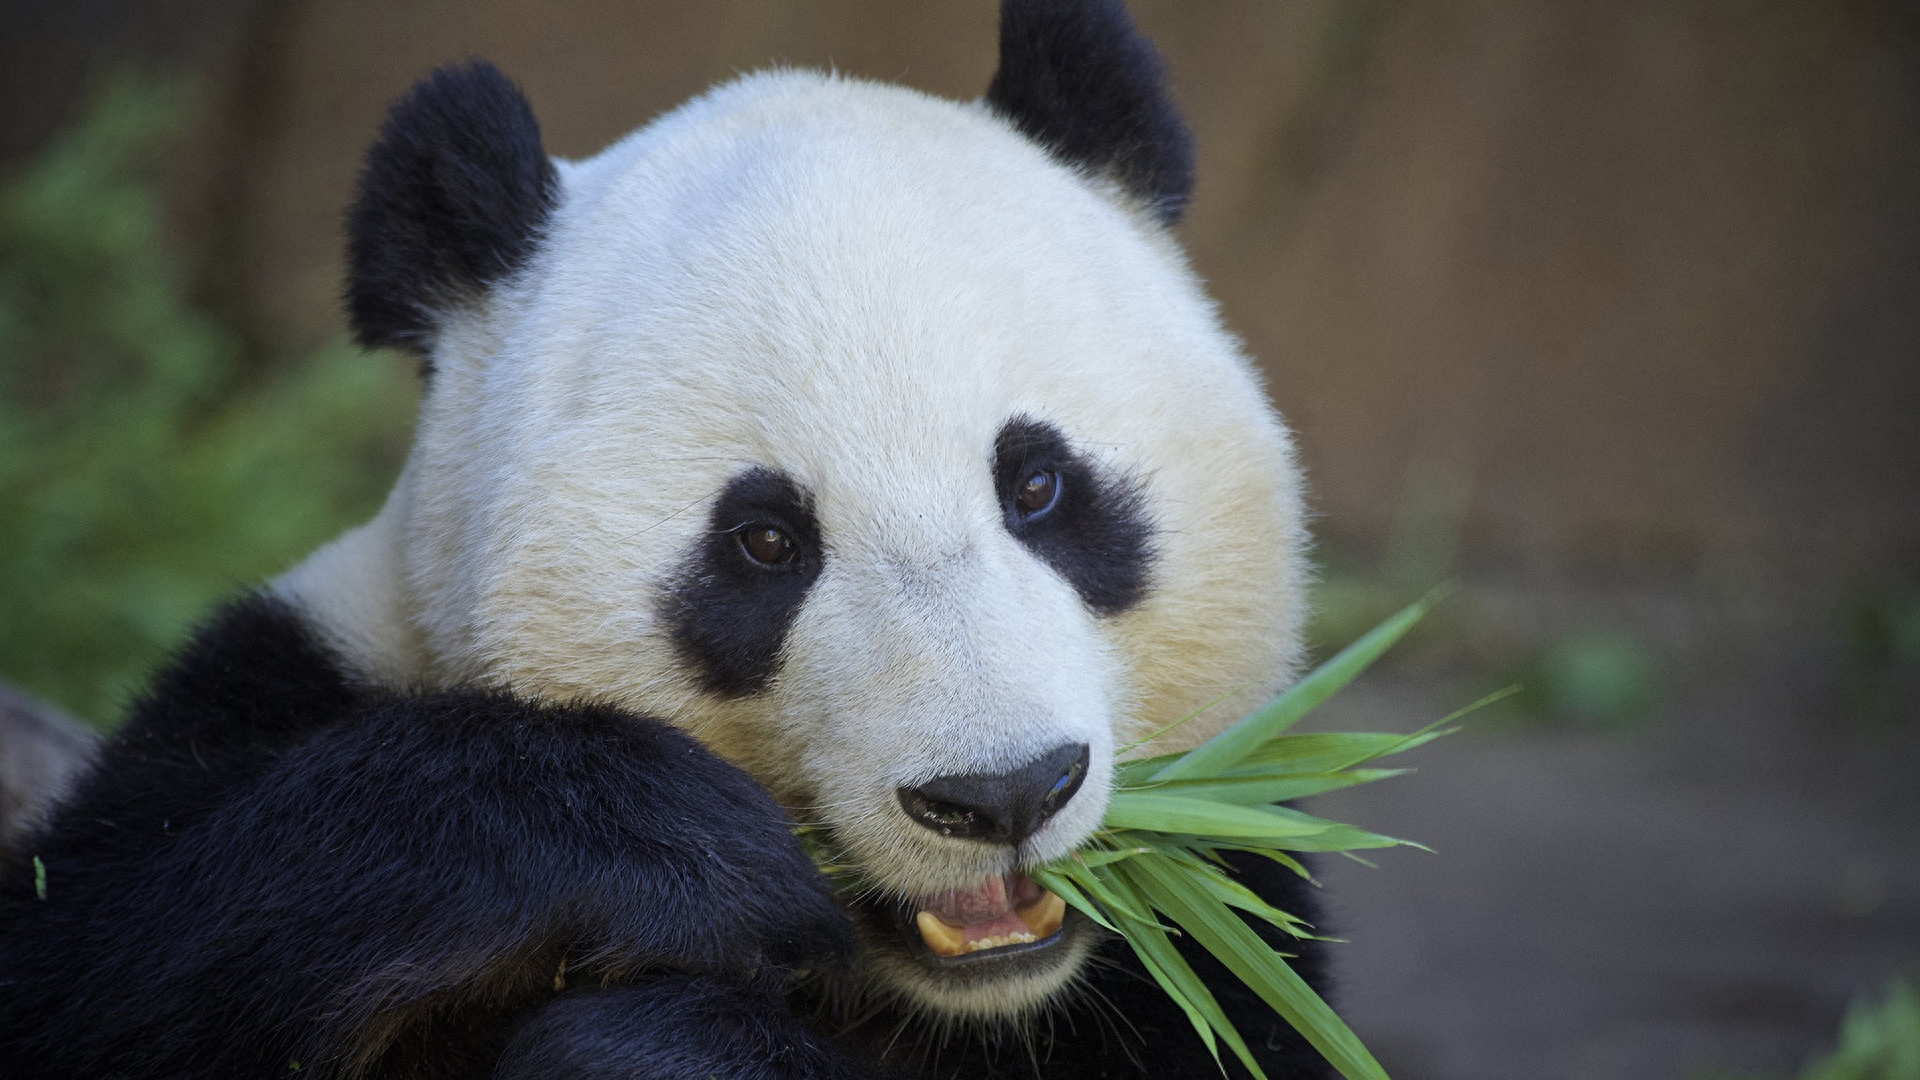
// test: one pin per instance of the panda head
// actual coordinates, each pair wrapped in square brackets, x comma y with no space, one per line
[885,443]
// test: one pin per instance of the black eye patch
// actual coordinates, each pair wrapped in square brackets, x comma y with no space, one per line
[730,612]
[1094,531]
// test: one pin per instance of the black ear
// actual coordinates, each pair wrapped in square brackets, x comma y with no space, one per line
[453,197]
[1077,78]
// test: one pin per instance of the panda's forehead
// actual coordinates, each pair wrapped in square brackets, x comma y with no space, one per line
[798,222]
[859,294]
[854,284]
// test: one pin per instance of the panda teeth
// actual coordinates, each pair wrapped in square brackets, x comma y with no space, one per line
[945,940]
[941,939]
[1042,918]
[1044,915]
[998,940]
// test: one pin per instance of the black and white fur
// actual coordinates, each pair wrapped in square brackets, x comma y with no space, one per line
[500,782]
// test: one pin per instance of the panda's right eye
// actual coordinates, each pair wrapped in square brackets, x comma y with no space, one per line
[768,545]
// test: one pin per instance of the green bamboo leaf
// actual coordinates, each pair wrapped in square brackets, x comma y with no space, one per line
[1291,755]
[1063,887]
[1303,755]
[1191,853]
[1173,814]
[1152,945]
[1204,866]
[1235,895]
[1145,739]
[1335,836]
[1139,770]
[1249,958]
[1262,789]
[1100,890]
[1498,695]
[1171,817]
[1144,948]
[1170,970]
[1340,839]
[1275,826]
[1228,748]
[1288,755]
[1274,854]
[1096,857]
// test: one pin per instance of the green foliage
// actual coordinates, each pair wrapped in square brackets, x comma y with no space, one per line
[1596,676]
[1878,1041]
[144,471]
[1883,656]
[1170,817]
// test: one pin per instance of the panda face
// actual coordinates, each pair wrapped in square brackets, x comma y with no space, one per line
[901,463]
[841,426]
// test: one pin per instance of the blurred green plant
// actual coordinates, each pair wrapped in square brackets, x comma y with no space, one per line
[144,470]
[1879,1040]
[1883,656]
[1596,676]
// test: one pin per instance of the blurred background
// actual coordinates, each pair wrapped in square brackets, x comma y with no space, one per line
[1612,312]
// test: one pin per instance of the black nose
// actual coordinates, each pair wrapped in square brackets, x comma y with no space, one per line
[999,808]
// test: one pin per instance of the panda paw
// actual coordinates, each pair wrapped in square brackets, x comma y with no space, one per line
[705,872]
[619,834]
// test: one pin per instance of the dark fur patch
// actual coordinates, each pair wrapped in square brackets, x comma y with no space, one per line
[1076,77]
[268,867]
[729,614]
[452,199]
[252,682]
[1097,535]
[673,1025]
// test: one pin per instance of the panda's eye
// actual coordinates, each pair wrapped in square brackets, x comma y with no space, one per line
[1038,493]
[766,544]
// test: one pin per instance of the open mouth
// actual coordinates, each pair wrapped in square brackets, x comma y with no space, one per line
[998,948]
[998,917]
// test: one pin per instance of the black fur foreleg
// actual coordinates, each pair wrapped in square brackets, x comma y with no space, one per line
[395,889]
[670,1027]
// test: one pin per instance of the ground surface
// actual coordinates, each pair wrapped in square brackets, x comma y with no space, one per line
[1705,891]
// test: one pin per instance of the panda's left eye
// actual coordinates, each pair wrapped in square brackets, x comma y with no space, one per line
[767,544]
[1038,493]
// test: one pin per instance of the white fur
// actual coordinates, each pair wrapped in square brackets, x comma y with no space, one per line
[859,285]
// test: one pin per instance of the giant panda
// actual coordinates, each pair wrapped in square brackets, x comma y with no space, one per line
[822,452]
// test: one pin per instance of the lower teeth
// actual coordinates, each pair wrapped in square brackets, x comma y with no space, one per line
[1042,918]
[999,940]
